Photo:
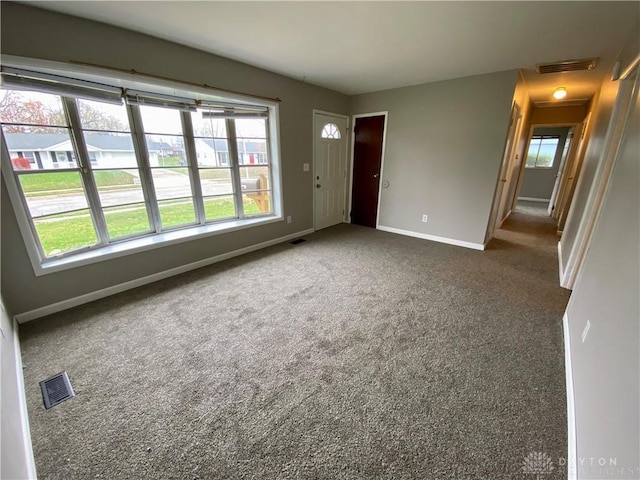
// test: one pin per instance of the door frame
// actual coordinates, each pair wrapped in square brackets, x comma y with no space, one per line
[384,114]
[507,156]
[523,166]
[313,156]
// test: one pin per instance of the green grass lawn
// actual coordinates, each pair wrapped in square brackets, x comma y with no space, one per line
[44,182]
[64,232]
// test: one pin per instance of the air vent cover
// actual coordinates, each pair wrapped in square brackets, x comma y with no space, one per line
[567,66]
[56,390]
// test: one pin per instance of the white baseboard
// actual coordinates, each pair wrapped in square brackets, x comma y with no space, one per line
[22,403]
[106,292]
[572,448]
[434,238]
[560,266]
[533,199]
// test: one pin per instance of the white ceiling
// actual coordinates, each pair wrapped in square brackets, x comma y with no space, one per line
[358,47]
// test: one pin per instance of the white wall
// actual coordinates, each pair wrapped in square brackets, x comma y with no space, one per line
[16,458]
[606,365]
[444,149]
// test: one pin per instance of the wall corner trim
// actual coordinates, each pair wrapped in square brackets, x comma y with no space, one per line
[22,402]
[434,238]
[572,446]
[121,287]
[560,266]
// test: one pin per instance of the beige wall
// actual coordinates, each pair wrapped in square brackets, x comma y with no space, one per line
[559,115]
[606,366]
[86,41]
[443,152]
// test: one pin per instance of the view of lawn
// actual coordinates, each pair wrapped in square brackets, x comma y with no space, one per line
[44,182]
[64,232]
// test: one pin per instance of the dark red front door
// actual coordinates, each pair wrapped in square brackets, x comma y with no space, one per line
[367,159]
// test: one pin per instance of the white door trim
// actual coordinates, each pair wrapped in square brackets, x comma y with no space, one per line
[313,156]
[385,114]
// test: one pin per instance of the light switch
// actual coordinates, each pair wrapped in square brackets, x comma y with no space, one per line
[305,167]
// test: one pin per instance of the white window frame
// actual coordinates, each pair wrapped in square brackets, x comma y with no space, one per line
[43,265]
[553,161]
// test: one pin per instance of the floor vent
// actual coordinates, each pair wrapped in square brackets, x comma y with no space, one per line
[56,390]
[297,241]
[567,66]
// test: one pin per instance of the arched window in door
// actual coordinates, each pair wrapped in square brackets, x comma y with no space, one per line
[331,130]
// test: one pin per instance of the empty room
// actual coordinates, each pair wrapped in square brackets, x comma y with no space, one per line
[320,240]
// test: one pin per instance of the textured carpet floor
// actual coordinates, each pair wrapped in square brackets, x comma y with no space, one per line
[358,354]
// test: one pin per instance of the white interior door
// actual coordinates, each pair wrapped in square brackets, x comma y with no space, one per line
[330,169]
[563,164]
[507,179]
[502,175]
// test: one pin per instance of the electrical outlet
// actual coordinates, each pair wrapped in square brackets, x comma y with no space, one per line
[586,331]
[305,167]
[425,218]
[289,219]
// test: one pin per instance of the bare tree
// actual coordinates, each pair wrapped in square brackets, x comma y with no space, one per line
[17,108]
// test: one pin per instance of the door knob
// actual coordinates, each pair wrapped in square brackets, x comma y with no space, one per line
[318,185]
[375,175]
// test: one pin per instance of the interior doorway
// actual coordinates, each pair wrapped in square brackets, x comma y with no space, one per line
[368,150]
[329,168]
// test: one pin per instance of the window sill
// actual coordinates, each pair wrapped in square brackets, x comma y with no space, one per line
[151,242]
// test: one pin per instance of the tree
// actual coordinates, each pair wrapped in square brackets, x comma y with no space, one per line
[17,107]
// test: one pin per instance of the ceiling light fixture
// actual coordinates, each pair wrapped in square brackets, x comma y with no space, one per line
[560,93]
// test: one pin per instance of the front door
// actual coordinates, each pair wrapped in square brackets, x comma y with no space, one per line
[367,160]
[330,169]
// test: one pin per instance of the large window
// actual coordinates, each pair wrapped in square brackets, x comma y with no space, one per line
[542,151]
[91,172]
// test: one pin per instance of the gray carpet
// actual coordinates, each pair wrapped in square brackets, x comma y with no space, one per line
[358,354]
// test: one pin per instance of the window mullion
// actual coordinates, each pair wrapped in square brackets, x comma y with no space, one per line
[234,162]
[91,189]
[142,154]
[192,161]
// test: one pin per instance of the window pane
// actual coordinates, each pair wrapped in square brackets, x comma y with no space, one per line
[166,150]
[54,192]
[251,128]
[252,152]
[215,181]
[256,203]
[110,150]
[64,232]
[171,182]
[161,120]
[216,208]
[127,220]
[255,178]
[547,152]
[534,146]
[174,213]
[103,116]
[212,152]
[33,108]
[117,187]
[52,145]
[204,126]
